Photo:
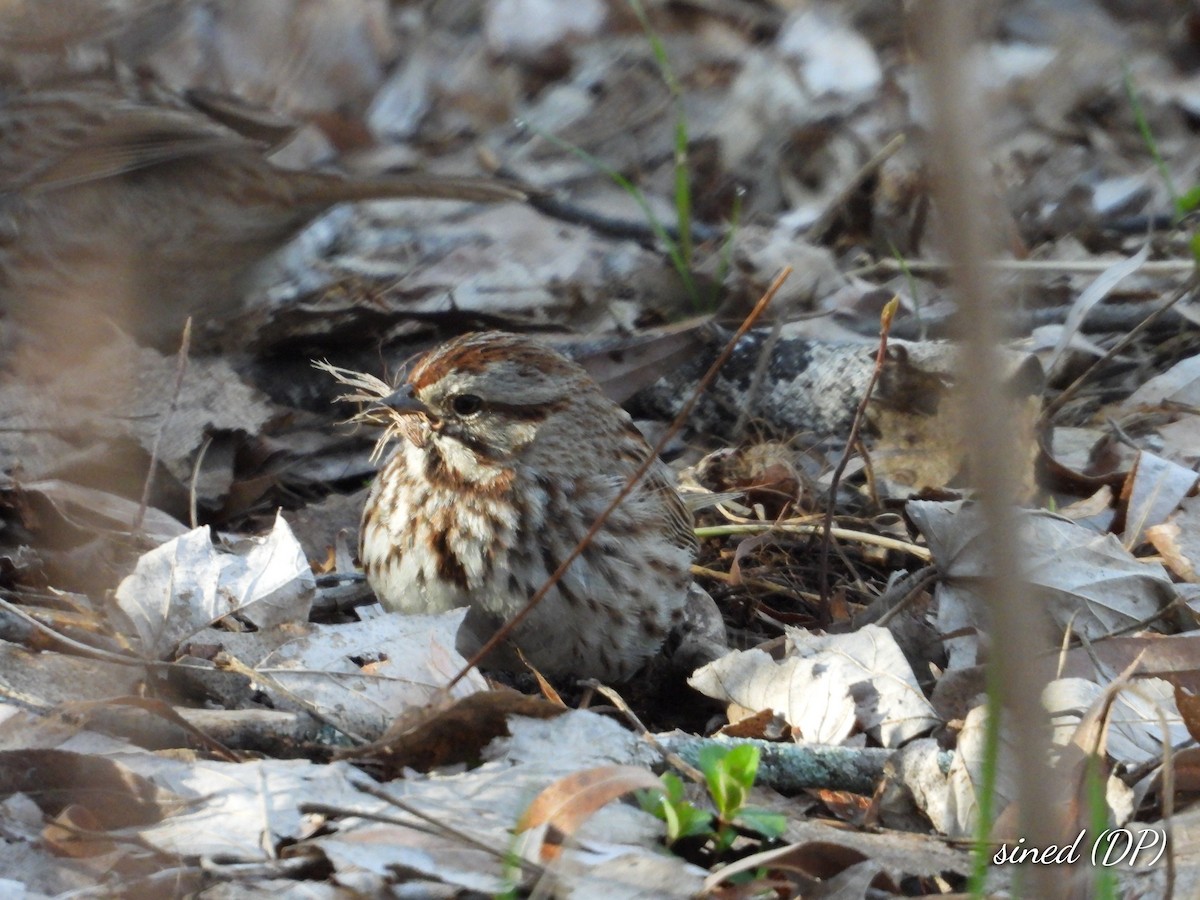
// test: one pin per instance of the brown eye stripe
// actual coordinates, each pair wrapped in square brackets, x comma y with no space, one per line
[527,412]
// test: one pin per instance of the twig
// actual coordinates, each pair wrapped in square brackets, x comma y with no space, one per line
[915,583]
[1016,677]
[760,374]
[81,648]
[193,517]
[168,882]
[180,371]
[761,584]
[229,662]
[670,756]
[1031,267]
[792,768]
[631,482]
[816,231]
[885,324]
[435,826]
[609,226]
[843,534]
[1073,388]
[168,713]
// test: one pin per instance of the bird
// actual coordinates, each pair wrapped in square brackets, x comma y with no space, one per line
[126,203]
[506,453]
[131,27]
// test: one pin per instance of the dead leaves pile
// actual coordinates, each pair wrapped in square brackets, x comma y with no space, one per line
[190,705]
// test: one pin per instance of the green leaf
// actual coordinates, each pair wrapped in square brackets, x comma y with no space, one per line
[711,756]
[730,774]
[742,763]
[672,787]
[1188,201]
[770,825]
[682,818]
[671,794]
[723,839]
[651,802]
[686,820]
[721,787]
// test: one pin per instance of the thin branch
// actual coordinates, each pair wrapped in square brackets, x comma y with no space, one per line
[817,230]
[180,371]
[1027,267]
[885,324]
[1073,388]
[843,534]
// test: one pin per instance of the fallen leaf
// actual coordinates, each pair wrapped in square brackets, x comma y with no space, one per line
[827,686]
[1088,583]
[456,732]
[572,800]
[187,584]
[1156,488]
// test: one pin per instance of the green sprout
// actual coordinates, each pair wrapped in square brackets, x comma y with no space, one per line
[729,774]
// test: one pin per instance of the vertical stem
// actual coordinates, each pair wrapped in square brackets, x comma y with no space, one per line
[959,168]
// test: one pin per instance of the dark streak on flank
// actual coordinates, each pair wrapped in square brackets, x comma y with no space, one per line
[449,566]
[661,567]
[631,431]
[650,625]
[393,556]
[620,526]
[567,594]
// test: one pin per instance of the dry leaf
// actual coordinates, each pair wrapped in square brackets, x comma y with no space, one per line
[456,732]
[827,686]
[1087,582]
[572,800]
[1157,486]
[187,584]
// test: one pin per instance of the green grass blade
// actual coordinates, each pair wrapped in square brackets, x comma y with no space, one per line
[660,231]
[1139,116]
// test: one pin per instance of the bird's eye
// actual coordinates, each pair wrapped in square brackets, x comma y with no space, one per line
[466,404]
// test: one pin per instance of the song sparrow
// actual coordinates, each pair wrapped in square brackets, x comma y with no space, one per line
[508,452]
[130,26]
[127,203]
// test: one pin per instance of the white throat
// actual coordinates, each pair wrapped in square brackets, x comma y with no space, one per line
[463,462]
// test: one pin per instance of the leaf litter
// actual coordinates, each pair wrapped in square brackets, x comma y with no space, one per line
[107,593]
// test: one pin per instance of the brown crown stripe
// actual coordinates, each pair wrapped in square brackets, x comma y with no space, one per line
[475,352]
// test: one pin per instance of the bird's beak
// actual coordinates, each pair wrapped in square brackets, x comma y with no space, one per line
[403,402]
